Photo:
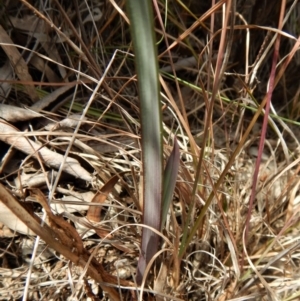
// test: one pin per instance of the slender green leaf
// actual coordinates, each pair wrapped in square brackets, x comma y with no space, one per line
[143,36]
[170,176]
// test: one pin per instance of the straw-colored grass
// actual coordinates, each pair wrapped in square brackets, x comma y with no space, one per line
[232,228]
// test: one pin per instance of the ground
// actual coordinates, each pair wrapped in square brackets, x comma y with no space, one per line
[71,152]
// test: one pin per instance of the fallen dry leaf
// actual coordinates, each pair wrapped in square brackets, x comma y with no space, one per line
[9,219]
[12,136]
[48,99]
[94,212]
[16,114]
[18,63]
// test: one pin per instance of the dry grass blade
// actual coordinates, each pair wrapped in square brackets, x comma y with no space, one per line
[6,74]
[195,25]
[18,63]
[48,236]
[214,60]
[266,117]
[64,232]
[12,136]
[36,12]
[94,212]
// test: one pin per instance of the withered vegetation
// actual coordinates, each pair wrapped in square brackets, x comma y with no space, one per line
[71,174]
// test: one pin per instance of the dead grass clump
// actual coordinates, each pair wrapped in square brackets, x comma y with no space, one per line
[71,162]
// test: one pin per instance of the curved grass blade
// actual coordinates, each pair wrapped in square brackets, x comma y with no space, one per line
[170,176]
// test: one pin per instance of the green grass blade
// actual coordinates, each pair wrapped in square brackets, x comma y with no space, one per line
[143,36]
[170,176]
